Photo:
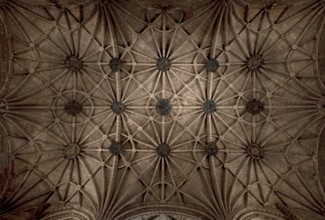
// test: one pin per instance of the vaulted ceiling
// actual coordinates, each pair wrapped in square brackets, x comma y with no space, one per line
[161,110]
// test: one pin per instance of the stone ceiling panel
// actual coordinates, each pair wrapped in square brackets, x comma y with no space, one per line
[113,105]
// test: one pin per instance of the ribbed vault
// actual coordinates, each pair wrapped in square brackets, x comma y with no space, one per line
[145,110]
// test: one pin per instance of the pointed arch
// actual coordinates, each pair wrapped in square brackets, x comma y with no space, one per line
[152,210]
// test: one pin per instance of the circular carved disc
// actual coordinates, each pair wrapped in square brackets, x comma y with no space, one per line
[255,151]
[71,151]
[211,148]
[209,106]
[118,107]
[73,108]
[73,63]
[212,65]
[115,148]
[115,64]
[163,107]
[254,107]
[255,62]
[163,150]
[163,64]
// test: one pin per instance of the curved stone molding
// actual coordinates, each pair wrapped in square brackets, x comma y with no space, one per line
[69,212]
[258,213]
[320,38]
[287,212]
[29,213]
[280,213]
[6,166]
[306,214]
[188,5]
[156,210]
[57,2]
[321,159]
[5,56]
[268,3]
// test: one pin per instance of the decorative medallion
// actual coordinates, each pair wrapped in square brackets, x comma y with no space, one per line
[321,106]
[115,148]
[163,64]
[163,107]
[255,151]
[163,150]
[211,148]
[209,107]
[255,62]
[73,63]
[115,64]
[212,65]
[3,106]
[71,151]
[254,107]
[73,108]
[118,107]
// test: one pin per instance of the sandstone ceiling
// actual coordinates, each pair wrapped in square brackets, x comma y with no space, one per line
[161,110]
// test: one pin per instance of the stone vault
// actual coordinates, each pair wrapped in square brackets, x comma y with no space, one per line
[162,109]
